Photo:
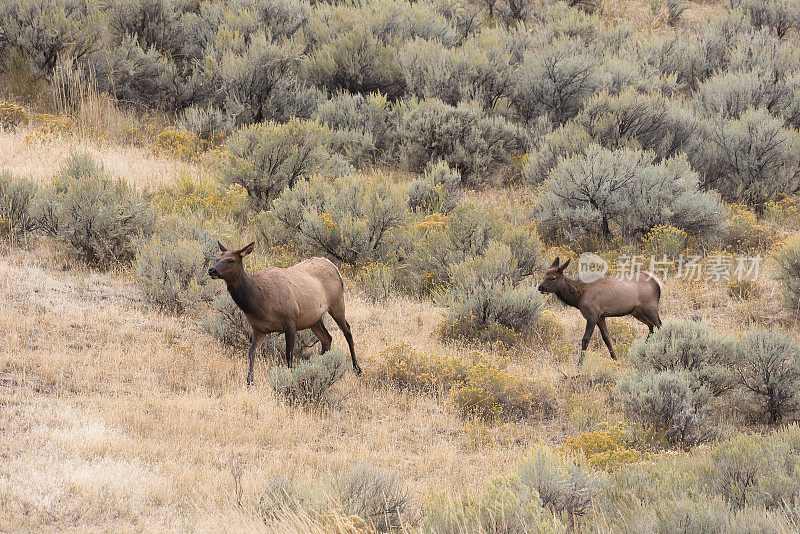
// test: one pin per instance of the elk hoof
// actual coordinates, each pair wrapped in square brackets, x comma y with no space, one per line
[357,370]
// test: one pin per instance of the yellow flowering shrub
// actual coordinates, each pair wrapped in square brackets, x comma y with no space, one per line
[182,145]
[405,367]
[743,231]
[491,394]
[607,448]
[665,240]
[12,115]
[200,196]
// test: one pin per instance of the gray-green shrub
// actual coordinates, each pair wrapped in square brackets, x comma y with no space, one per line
[171,267]
[438,190]
[666,402]
[464,136]
[349,218]
[787,260]
[554,80]
[647,121]
[358,62]
[485,296]
[751,159]
[206,122]
[309,383]
[17,217]
[624,193]
[731,94]
[563,484]
[98,218]
[691,347]
[768,369]
[378,497]
[266,158]
[507,506]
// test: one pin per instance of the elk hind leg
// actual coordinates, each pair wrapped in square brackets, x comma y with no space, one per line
[337,313]
[323,335]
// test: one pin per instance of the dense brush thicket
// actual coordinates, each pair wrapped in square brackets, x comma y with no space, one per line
[470,85]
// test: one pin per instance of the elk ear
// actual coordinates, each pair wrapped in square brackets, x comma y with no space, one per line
[222,247]
[554,264]
[563,266]
[247,250]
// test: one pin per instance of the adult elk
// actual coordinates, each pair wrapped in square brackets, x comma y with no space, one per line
[605,297]
[285,300]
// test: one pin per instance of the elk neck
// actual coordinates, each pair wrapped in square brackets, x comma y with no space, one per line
[240,289]
[571,291]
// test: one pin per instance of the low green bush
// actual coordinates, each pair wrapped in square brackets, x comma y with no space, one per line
[787,260]
[691,347]
[269,157]
[100,220]
[171,267]
[378,497]
[438,190]
[17,196]
[665,402]
[484,298]
[767,367]
[309,383]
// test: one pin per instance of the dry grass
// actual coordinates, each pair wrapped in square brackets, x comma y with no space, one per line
[114,415]
[139,166]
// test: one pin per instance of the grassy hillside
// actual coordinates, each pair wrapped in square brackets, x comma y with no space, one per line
[442,156]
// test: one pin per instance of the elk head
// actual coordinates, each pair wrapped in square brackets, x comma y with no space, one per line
[229,264]
[553,277]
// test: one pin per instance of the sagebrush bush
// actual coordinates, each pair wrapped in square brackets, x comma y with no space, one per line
[493,395]
[666,402]
[267,158]
[750,159]
[17,216]
[555,80]
[647,121]
[624,193]
[484,296]
[378,497]
[356,61]
[171,267]
[438,190]
[349,218]
[565,141]
[563,483]
[779,16]
[691,347]
[369,119]
[44,30]
[309,382]
[787,260]
[208,122]
[768,368]
[463,136]
[732,94]
[408,368]
[99,219]
[744,231]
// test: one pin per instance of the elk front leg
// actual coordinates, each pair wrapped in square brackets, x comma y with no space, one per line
[289,337]
[606,337]
[255,343]
[587,335]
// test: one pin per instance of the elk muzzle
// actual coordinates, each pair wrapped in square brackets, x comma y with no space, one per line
[212,272]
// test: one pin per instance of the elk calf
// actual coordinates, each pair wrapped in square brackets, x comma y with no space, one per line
[605,297]
[285,300]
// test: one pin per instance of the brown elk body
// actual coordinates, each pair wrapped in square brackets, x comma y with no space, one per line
[605,297]
[285,300]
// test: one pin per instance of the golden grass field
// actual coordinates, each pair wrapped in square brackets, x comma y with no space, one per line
[115,417]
